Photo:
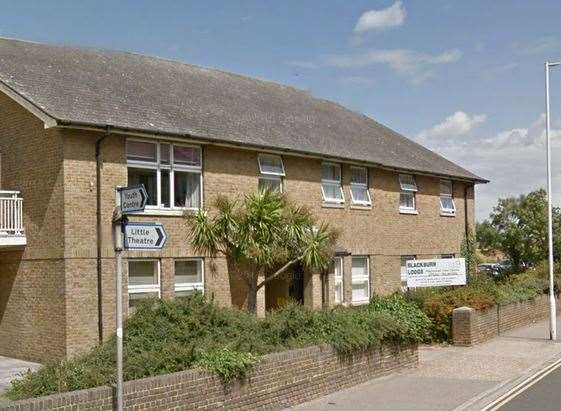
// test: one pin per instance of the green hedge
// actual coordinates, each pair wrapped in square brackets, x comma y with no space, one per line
[481,292]
[169,336]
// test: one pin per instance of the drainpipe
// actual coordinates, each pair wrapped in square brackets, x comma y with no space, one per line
[99,164]
[466,219]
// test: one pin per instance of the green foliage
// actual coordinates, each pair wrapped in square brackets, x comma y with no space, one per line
[480,292]
[469,252]
[518,228]
[169,336]
[263,235]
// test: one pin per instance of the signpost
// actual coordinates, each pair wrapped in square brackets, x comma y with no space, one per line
[144,236]
[132,198]
[436,273]
[130,236]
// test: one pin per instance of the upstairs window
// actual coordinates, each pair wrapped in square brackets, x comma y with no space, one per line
[331,189]
[407,194]
[359,186]
[171,173]
[271,171]
[447,206]
[189,277]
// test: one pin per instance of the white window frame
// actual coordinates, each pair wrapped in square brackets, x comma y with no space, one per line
[333,183]
[447,211]
[191,286]
[408,188]
[271,176]
[360,185]
[140,289]
[171,167]
[402,273]
[338,279]
[360,279]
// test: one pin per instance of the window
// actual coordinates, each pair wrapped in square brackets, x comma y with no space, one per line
[404,259]
[447,256]
[407,193]
[171,173]
[447,206]
[189,277]
[338,276]
[272,172]
[360,280]
[359,186]
[144,280]
[331,189]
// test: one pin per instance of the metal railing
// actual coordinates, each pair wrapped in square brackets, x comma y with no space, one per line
[11,213]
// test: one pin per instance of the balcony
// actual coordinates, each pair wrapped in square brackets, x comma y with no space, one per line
[12,234]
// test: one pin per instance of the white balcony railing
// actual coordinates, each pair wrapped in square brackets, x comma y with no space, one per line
[11,214]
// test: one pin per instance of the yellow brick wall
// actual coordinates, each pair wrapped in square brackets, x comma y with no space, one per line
[57,271]
[32,287]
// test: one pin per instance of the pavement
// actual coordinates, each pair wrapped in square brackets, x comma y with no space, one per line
[453,378]
[11,368]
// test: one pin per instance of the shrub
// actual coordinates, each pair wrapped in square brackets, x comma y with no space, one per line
[168,336]
[480,292]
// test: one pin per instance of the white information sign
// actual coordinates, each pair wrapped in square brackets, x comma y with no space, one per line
[436,273]
[144,236]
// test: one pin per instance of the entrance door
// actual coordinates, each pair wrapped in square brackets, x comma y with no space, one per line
[296,287]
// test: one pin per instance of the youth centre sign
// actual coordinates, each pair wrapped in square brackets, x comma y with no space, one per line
[436,273]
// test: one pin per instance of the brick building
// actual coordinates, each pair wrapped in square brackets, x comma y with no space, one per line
[76,123]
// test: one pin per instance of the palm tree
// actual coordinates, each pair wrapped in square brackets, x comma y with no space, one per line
[262,237]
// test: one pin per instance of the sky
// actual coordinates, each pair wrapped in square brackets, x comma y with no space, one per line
[465,79]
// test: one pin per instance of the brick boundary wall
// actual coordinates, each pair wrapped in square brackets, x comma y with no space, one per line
[279,380]
[470,326]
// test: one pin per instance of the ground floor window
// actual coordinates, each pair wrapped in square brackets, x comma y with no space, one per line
[403,271]
[143,280]
[338,276]
[360,280]
[189,276]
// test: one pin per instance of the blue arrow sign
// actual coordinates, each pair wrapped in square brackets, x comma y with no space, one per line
[144,236]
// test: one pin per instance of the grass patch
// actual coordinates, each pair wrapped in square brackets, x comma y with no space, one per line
[170,336]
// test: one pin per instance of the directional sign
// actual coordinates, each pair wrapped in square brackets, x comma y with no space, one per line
[133,198]
[144,236]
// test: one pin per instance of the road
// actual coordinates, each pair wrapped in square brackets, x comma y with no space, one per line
[544,395]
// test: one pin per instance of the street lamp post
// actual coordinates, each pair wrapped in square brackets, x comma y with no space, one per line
[552,308]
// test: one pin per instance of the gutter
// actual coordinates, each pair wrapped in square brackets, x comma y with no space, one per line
[98,166]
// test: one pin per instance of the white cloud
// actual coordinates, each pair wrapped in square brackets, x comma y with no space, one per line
[513,159]
[357,81]
[393,16]
[537,46]
[458,124]
[412,64]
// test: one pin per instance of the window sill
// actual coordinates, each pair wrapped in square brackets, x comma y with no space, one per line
[361,206]
[405,211]
[445,214]
[360,302]
[168,213]
[327,204]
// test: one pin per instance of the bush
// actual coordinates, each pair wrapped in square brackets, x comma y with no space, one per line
[168,336]
[480,292]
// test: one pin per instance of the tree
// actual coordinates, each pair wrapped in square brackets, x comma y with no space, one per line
[469,252]
[518,227]
[262,237]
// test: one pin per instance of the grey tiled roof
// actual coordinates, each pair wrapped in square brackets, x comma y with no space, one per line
[130,91]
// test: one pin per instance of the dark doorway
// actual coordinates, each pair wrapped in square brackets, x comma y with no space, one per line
[296,287]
